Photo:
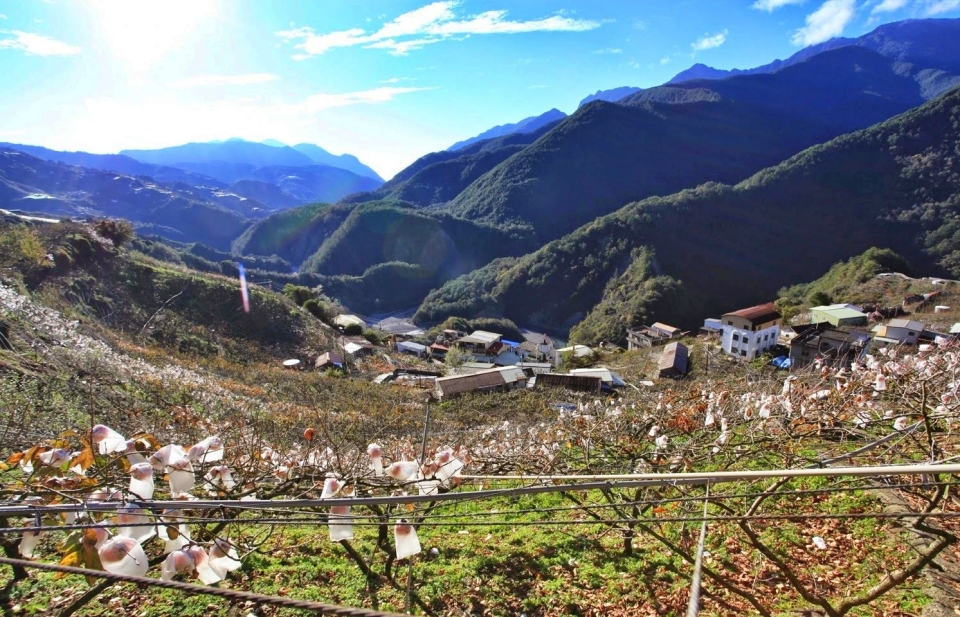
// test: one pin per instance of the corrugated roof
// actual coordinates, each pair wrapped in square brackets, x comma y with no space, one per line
[328,358]
[760,313]
[605,374]
[955,328]
[580,383]
[402,345]
[480,336]
[675,356]
[480,380]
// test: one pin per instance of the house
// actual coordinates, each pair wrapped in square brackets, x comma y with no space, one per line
[412,348]
[349,320]
[492,380]
[576,351]
[579,383]
[400,328]
[328,360]
[898,332]
[481,343]
[609,380]
[834,347]
[838,315]
[674,362]
[749,332]
[657,334]
[537,347]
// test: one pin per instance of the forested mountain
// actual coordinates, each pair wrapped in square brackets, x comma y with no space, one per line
[524,126]
[703,251]
[438,177]
[664,139]
[35,185]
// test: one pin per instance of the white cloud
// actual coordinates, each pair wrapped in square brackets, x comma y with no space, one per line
[432,23]
[37,44]
[2,16]
[319,102]
[772,5]
[940,6]
[664,60]
[609,50]
[225,80]
[888,6]
[709,42]
[826,22]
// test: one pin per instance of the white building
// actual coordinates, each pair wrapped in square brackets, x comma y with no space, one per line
[749,332]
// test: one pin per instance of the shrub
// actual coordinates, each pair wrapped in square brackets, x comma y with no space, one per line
[119,232]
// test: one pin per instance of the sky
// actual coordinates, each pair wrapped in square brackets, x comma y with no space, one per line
[387,81]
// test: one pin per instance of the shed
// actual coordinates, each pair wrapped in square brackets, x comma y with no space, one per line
[674,361]
[608,377]
[412,348]
[838,315]
[498,379]
[328,360]
[579,383]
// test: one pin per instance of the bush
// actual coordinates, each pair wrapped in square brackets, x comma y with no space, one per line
[300,294]
[353,329]
[119,232]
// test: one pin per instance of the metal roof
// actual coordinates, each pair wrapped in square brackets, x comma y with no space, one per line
[840,312]
[675,357]
[481,380]
[905,323]
[582,383]
[760,313]
[665,328]
[604,374]
[481,336]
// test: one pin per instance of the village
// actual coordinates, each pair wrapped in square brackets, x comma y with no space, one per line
[451,362]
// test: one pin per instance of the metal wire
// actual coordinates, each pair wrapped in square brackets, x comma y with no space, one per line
[230,594]
[693,608]
[598,482]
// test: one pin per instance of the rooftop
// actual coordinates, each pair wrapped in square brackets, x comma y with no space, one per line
[481,337]
[758,314]
[909,324]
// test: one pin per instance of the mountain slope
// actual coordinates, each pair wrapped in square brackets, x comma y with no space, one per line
[524,126]
[699,252]
[611,96]
[438,177]
[342,161]
[32,184]
[236,151]
[664,139]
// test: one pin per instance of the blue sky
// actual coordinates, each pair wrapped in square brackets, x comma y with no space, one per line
[386,80]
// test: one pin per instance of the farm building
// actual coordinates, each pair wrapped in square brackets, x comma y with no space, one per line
[674,362]
[749,332]
[492,380]
[838,315]
[578,383]
[412,348]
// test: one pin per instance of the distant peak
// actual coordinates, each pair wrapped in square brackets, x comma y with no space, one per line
[274,143]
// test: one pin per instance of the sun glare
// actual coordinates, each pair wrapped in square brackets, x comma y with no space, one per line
[140,32]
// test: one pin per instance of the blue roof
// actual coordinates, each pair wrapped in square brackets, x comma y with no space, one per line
[509,343]
[781,362]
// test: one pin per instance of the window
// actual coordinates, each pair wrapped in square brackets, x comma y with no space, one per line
[736,336]
[743,352]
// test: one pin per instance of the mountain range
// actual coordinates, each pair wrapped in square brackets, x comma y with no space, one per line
[673,202]
[526,125]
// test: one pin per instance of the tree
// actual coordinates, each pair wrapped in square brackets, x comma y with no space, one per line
[456,357]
